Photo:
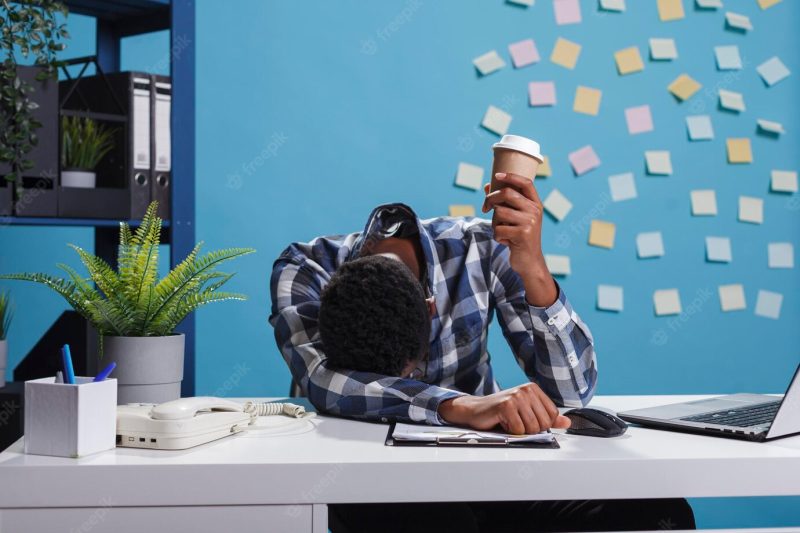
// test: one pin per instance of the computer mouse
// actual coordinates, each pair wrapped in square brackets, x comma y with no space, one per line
[594,423]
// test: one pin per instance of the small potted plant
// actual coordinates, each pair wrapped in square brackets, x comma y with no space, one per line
[84,143]
[6,314]
[135,313]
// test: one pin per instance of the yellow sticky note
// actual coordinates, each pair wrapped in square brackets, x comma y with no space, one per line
[629,60]
[670,10]
[602,234]
[739,151]
[544,169]
[684,87]
[587,100]
[462,210]
[565,53]
[765,4]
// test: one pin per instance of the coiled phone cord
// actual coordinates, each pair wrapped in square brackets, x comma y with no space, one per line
[255,409]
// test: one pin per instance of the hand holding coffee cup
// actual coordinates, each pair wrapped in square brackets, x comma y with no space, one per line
[515,155]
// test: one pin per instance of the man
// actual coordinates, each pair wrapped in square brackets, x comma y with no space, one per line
[391,324]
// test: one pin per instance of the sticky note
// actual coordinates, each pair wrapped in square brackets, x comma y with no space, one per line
[667,302]
[460,210]
[469,176]
[609,297]
[700,128]
[622,187]
[683,87]
[524,3]
[658,162]
[772,71]
[670,10]
[751,209]
[557,204]
[488,63]
[567,11]
[565,53]
[628,60]
[543,169]
[783,181]
[639,119]
[542,93]
[709,4]
[496,120]
[731,297]
[766,4]
[739,150]
[728,57]
[738,21]
[558,265]
[768,304]
[704,202]
[769,126]
[780,255]
[731,101]
[612,5]
[523,53]
[602,234]
[587,100]
[718,249]
[649,244]
[583,160]
[663,49]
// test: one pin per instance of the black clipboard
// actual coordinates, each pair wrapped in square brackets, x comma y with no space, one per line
[468,443]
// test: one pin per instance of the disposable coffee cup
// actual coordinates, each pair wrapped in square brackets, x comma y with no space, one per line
[515,155]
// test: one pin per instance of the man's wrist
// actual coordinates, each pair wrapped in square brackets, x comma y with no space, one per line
[540,288]
[453,410]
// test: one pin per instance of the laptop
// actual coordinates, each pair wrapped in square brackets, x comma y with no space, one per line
[754,417]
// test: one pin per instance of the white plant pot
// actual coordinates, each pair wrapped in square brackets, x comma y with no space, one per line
[3,361]
[149,369]
[78,178]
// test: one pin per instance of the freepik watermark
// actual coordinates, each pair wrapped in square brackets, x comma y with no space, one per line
[240,370]
[700,103]
[318,489]
[97,517]
[269,150]
[581,226]
[660,336]
[370,45]
[177,49]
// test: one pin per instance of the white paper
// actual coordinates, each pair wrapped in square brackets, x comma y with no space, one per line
[780,255]
[709,4]
[731,100]
[612,5]
[735,20]
[704,202]
[488,63]
[768,304]
[141,126]
[410,432]
[663,49]
[751,209]
[163,137]
[700,128]
[623,187]
[557,204]
[728,57]
[718,249]
[558,265]
[526,3]
[784,181]
[667,302]
[496,120]
[469,176]
[658,162]
[649,244]
[610,297]
[731,297]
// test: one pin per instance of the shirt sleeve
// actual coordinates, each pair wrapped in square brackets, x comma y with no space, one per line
[295,289]
[552,345]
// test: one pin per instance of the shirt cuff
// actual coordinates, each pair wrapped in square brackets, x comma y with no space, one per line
[425,405]
[558,316]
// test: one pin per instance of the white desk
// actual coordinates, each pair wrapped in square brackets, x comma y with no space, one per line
[263,483]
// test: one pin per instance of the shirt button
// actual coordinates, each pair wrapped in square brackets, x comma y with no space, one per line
[383,419]
[572,360]
[552,321]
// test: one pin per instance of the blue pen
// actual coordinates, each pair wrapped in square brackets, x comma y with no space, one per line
[69,373]
[106,371]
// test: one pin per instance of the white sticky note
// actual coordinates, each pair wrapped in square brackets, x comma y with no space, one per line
[469,176]
[612,5]
[526,3]
[780,255]
[558,265]
[770,126]
[700,128]
[557,204]
[496,120]
[738,21]
[751,209]
[658,162]
[783,181]
[649,244]
[709,4]
[610,297]
[704,202]
[718,249]
[488,63]
[731,100]
[663,49]
[667,302]
[731,297]
[772,71]
[622,186]
[768,304]
[728,57]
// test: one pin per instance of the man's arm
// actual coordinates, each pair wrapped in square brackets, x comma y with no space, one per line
[295,288]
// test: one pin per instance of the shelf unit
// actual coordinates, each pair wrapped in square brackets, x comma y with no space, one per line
[116,20]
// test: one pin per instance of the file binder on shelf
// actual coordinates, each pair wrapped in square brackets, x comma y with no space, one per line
[161,147]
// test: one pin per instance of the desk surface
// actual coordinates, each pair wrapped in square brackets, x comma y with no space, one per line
[346,461]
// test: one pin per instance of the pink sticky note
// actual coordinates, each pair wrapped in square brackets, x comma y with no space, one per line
[542,93]
[567,11]
[583,160]
[639,119]
[523,53]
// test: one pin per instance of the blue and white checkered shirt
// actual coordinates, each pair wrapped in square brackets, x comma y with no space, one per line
[468,274]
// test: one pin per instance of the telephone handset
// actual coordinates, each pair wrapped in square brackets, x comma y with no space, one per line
[188,422]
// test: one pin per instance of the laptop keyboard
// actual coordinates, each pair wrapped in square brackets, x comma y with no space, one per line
[755,415]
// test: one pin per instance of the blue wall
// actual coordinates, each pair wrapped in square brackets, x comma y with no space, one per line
[309,114]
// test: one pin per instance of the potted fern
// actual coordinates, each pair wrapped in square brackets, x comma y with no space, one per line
[6,314]
[84,143]
[135,313]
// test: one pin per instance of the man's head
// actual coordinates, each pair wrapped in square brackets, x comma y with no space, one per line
[373,317]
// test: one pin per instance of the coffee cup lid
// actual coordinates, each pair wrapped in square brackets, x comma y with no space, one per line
[520,144]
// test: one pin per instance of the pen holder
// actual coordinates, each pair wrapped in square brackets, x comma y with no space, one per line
[70,420]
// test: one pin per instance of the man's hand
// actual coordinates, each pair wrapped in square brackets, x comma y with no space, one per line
[517,223]
[521,410]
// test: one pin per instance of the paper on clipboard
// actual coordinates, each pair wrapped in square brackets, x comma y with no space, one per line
[414,433]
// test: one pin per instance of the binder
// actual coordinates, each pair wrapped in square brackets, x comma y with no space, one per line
[161,144]
[471,439]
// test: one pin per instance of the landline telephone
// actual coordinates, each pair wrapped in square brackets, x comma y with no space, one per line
[189,422]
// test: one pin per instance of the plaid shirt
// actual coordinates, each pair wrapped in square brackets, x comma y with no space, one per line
[468,274]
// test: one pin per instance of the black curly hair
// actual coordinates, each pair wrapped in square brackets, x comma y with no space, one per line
[373,316]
